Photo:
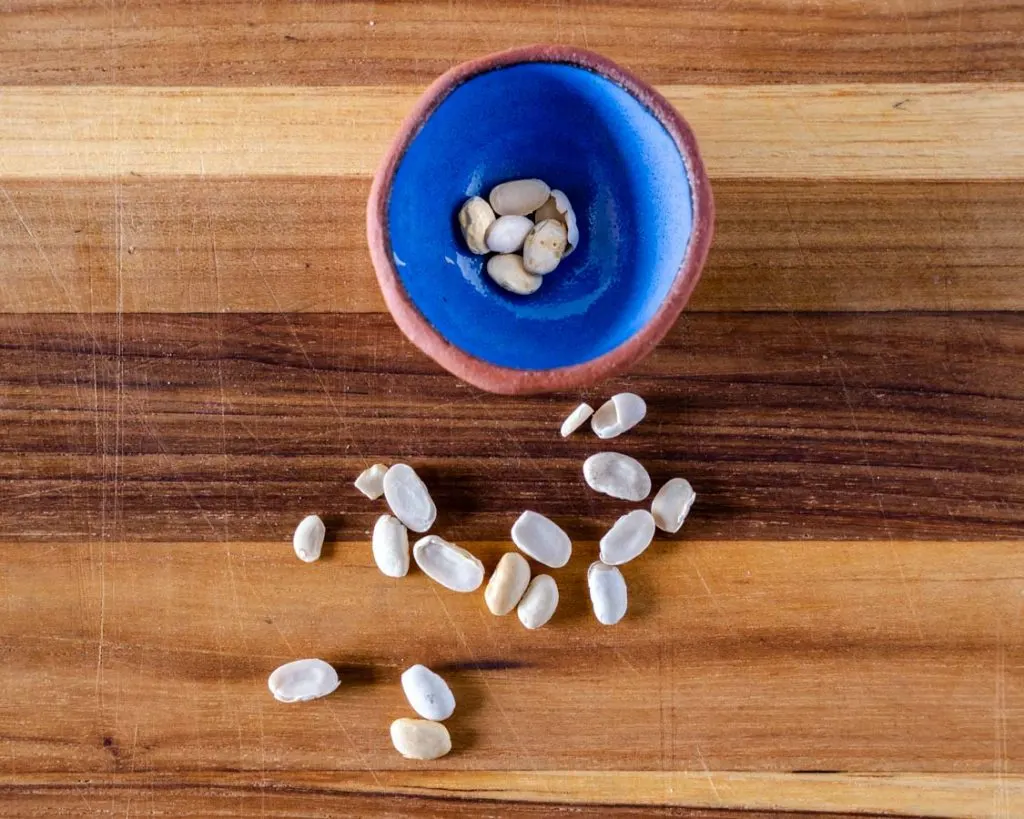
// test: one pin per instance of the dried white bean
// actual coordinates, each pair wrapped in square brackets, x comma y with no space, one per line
[617,475]
[428,693]
[544,247]
[308,540]
[371,481]
[558,207]
[508,272]
[420,738]
[539,602]
[507,584]
[577,418]
[450,565]
[519,197]
[607,593]
[475,218]
[618,414]
[672,504]
[302,680]
[507,233]
[631,534]
[391,546]
[542,539]
[408,498]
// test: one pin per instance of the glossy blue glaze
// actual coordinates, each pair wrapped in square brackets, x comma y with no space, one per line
[579,132]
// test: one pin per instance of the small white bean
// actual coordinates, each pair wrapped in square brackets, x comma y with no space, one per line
[371,481]
[428,693]
[618,414]
[450,565]
[475,218]
[390,546]
[542,539]
[508,272]
[519,197]
[507,584]
[539,603]
[672,504]
[302,680]
[420,738]
[507,233]
[607,593]
[409,498]
[577,418]
[628,538]
[308,540]
[617,475]
[544,247]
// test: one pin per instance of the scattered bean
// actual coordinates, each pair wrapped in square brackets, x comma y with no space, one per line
[420,738]
[628,538]
[539,602]
[391,546]
[576,419]
[302,680]
[450,565]
[308,540]
[672,504]
[428,693]
[617,475]
[607,593]
[618,414]
[542,539]
[408,498]
[371,481]
[507,584]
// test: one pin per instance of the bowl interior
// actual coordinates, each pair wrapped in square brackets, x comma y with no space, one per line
[582,133]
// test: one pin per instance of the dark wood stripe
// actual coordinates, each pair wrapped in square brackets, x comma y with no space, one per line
[64,42]
[193,427]
[193,245]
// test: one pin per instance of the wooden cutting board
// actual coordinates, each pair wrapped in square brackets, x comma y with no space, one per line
[194,356]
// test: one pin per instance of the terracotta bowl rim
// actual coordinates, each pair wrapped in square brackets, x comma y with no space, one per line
[509,380]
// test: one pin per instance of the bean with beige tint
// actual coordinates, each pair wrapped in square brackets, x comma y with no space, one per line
[558,208]
[519,197]
[544,247]
[507,584]
[420,739]
[507,271]
[475,217]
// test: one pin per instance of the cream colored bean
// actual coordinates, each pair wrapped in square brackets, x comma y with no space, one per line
[544,247]
[507,234]
[450,565]
[475,218]
[558,207]
[428,693]
[577,418]
[672,504]
[507,584]
[308,540]
[628,538]
[519,197]
[542,539]
[420,738]
[508,272]
[617,475]
[539,603]
[607,593]
[618,414]
[371,481]
[409,498]
[302,680]
[390,546]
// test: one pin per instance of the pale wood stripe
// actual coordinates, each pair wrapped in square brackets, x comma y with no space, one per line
[884,131]
[942,796]
[872,656]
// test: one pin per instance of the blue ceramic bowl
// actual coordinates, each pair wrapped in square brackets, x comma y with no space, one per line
[630,167]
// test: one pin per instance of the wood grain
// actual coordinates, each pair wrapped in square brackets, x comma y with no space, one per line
[726,795]
[880,131]
[193,427]
[190,244]
[753,656]
[70,42]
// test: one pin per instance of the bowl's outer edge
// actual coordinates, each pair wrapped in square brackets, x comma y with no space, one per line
[506,380]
